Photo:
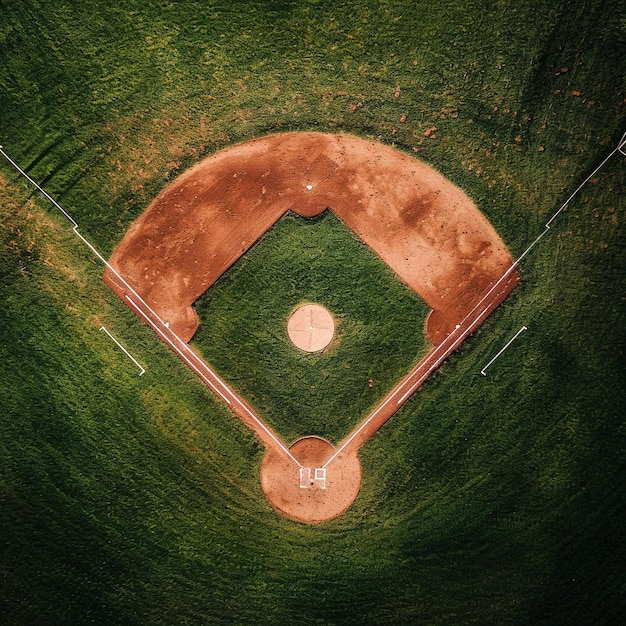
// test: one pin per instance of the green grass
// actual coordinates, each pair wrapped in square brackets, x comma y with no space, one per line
[379,328]
[485,500]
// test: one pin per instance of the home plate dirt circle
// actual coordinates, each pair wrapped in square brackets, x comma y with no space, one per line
[310,492]
[311,327]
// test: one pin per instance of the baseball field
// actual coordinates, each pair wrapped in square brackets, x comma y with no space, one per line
[130,491]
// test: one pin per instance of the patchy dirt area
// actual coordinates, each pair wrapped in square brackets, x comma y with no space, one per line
[424,227]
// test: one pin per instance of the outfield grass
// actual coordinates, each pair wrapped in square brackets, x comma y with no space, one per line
[485,500]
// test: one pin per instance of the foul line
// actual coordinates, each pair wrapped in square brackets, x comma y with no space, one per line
[197,365]
[177,344]
[178,350]
[124,350]
[444,344]
[32,182]
[517,334]
[441,352]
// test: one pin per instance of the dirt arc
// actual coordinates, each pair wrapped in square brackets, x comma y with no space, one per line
[422,225]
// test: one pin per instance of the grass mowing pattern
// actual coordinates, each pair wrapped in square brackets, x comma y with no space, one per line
[127,500]
[379,328]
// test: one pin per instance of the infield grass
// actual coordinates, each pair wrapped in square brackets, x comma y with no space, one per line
[485,500]
[379,328]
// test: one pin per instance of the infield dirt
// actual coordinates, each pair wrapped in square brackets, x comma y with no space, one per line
[423,226]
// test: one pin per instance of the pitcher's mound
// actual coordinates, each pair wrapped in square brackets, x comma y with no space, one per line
[310,493]
[311,327]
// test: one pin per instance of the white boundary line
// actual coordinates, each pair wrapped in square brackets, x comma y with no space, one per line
[468,321]
[622,143]
[177,344]
[440,353]
[403,398]
[125,351]
[519,332]
[197,365]
[461,337]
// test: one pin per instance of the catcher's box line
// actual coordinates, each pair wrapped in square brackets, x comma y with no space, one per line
[177,344]
[124,350]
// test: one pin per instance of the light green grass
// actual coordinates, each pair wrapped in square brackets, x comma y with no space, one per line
[485,500]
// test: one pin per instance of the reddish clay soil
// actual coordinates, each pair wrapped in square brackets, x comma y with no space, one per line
[424,227]
[298,494]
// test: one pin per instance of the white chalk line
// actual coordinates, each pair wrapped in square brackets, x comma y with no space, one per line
[125,351]
[459,339]
[444,348]
[517,334]
[618,148]
[169,341]
[175,345]
[621,144]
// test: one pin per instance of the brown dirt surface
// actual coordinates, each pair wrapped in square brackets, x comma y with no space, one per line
[302,498]
[424,227]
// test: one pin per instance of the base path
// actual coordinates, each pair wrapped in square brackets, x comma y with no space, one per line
[424,227]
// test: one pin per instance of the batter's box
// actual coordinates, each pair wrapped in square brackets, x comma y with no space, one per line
[315,478]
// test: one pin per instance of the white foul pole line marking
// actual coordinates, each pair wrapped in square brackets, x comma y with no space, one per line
[124,350]
[43,191]
[517,334]
[177,344]
[456,340]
